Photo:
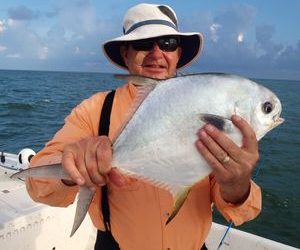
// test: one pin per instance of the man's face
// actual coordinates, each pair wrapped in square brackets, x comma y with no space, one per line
[153,62]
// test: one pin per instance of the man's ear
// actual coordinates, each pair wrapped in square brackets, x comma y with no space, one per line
[124,53]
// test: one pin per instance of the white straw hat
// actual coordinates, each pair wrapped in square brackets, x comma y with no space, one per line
[148,21]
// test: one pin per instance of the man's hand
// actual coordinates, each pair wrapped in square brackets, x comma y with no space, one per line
[232,165]
[88,162]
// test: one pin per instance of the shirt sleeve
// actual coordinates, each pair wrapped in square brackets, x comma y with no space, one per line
[81,123]
[240,213]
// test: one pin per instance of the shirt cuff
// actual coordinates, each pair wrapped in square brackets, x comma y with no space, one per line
[239,213]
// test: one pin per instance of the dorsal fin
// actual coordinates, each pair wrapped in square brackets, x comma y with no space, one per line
[138,80]
[144,86]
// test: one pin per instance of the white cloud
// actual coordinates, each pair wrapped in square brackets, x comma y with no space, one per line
[234,40]
[77,50]
[214,31]
[79,19]
[11,22]
[70,39]
[14,56]
[240,37]
[282,50]
[2,48]
[2,25]
[260,53]
[43,53]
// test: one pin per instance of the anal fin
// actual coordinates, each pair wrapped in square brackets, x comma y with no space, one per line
[179,200]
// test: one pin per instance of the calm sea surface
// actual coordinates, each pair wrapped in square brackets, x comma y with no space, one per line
[33,106]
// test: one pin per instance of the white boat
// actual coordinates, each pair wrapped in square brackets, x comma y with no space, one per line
[26,225]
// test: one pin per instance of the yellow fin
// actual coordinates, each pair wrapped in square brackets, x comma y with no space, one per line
[179,200]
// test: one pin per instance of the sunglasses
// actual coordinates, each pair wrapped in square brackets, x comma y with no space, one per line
[167,44]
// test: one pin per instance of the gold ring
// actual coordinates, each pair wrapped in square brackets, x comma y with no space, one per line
[225,159]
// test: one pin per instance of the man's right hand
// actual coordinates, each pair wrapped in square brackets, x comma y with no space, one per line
[88,162]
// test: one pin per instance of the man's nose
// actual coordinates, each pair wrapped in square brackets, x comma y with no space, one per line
[156,51]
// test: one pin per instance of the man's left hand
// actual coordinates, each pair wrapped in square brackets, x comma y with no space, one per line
[232,165]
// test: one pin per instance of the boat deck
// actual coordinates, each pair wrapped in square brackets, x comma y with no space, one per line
[26,225]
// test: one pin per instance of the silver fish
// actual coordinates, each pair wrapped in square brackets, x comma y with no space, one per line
[157,142]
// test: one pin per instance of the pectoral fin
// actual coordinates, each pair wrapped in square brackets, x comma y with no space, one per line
[224,124]
[179,200]
[221,123]
[85,198]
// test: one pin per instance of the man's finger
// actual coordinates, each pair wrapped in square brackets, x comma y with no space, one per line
[91,162]
[216,150]
[224,142]
[69,165]
[104,155]
[81,166]
[211,160]
[249,138]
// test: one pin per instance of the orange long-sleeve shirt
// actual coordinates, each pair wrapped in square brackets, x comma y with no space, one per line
[138,210]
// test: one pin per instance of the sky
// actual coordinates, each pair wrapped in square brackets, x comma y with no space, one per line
[258,38]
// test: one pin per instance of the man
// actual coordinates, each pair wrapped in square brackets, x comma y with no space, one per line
[153,47]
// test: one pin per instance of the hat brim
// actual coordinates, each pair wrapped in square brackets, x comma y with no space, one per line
[191,44]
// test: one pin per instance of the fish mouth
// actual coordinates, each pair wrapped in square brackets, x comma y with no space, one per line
[277,121]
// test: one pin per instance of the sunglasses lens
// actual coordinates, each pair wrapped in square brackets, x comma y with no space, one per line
[168,44]
[165,44]
[142,45]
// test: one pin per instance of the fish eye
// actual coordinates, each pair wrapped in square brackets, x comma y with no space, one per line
[267,107]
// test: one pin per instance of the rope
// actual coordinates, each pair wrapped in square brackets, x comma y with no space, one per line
[230,225]
[224,236]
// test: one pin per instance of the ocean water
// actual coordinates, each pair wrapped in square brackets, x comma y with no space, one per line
[33,105]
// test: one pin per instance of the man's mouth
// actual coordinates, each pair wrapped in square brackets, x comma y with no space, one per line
[156,66]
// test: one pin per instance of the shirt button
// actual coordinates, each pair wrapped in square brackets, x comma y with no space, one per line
[167,214]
